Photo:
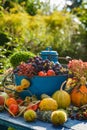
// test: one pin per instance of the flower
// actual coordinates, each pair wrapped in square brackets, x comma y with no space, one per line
[78,69]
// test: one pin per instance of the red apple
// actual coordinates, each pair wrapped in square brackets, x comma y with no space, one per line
[2,100]
[51,73]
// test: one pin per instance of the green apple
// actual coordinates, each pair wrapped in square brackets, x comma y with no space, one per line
[4,94]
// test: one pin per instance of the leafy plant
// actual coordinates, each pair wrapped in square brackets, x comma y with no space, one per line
[40,29]
[20,56]
[32,6]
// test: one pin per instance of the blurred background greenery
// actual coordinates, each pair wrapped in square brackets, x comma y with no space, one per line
[31,26]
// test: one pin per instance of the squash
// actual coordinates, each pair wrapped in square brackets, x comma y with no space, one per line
[25,83]
[79,95]
[62,97]
[58,117]
[48,104]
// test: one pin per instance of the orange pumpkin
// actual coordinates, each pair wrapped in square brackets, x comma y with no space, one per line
[79,96]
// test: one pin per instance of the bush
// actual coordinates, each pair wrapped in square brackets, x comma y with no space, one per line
[20,56]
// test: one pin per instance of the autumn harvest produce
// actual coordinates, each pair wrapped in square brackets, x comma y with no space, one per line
[62,97]
[24,84]
[4,94]
[58,117]
[13,108]
[68,100]
[79,113]
[3,97]
[78,88]
[43,75]
[2,100]
[80,95]
[37,66]
[30,115]
[47,104]
[10,101]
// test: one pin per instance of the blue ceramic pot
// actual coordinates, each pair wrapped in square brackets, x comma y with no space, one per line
[39,85]
[50,55]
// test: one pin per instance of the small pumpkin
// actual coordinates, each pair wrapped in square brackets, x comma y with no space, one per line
[48,104]
[62,97]
[79,95]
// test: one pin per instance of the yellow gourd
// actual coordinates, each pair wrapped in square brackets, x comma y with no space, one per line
[62,97]
[47,104]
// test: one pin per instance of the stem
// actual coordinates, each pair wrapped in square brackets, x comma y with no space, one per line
[26,108]
[21,111]
[62,85]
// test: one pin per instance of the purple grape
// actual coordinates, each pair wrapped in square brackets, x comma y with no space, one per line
[37,64]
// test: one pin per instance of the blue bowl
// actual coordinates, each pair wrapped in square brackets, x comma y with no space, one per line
[41,85]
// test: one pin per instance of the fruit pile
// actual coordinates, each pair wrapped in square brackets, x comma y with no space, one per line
[47,108]
[31,108]
[38,66]
[55,108]
[78,113]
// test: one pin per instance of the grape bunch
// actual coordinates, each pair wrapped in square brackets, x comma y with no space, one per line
[25,69]
[36,64]
[79,113]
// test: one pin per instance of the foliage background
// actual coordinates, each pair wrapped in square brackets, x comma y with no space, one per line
[30,25]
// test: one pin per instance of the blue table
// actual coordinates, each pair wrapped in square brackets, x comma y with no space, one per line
[20,124]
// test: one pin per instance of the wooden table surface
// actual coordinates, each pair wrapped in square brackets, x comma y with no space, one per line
[19,123]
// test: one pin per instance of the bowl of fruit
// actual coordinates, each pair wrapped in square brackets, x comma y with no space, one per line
[44,76]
